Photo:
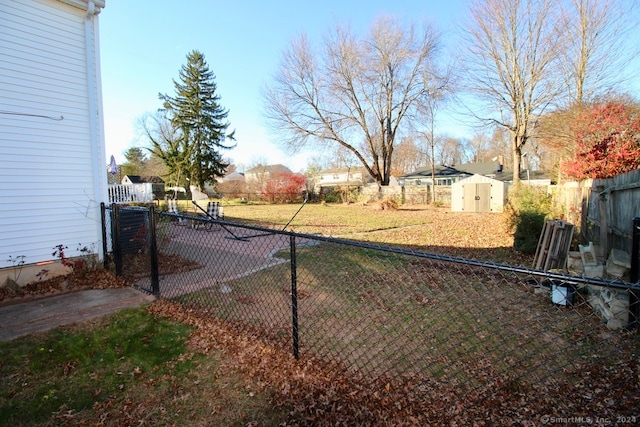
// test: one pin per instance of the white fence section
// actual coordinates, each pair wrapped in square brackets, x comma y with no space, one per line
[141,193]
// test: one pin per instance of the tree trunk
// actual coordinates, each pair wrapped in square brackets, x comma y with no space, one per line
[518,141]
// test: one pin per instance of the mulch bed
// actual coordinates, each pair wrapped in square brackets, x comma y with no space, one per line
[92,278]
[72,282]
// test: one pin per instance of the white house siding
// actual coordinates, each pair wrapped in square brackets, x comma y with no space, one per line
[52,168]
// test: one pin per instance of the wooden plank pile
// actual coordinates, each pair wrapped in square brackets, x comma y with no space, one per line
[553,245]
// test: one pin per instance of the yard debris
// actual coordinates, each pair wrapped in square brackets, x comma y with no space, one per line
[10,286]
[95,278]
[75,281]
[318,392]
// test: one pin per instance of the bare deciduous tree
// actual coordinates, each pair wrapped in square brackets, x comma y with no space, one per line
[164,143]
[452,151]
[510,59]
[407,156]
[597,48]
[432,140]
[357,93]
[437,90]
[479,144]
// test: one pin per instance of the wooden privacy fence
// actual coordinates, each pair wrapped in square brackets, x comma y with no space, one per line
[602,208]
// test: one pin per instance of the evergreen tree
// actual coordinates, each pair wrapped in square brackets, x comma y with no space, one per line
[135,161]
[200,121]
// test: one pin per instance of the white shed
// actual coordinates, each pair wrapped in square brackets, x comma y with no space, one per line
[478,193]
[52,156]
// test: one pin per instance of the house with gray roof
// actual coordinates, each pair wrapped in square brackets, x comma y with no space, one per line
[331,179]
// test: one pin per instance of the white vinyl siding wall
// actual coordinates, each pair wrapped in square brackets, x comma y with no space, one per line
[47,166]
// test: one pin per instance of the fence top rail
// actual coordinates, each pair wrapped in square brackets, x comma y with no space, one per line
[553,275]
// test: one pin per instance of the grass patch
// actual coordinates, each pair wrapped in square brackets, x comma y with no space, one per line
[385,312]
[71,370]
[329,219]
[93,372]
[433,229]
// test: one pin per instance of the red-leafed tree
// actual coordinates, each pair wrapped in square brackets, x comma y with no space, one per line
[284,188]
[607,141]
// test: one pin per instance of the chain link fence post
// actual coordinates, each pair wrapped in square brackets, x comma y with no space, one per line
[103,218]
[115,233]
[294,296]
[153,249]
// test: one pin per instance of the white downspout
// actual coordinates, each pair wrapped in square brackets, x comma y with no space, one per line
[96,123]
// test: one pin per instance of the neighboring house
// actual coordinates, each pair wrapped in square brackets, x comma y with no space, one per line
[262,172]
[232,185]
[52,154]
[448,175]
[256,177]
[137,189]
[234,176]
[494,170]
[156,183]
[332,179]
[418,186]
[442,175]
[474,187]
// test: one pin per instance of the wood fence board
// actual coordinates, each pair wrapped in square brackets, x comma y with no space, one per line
[585,203]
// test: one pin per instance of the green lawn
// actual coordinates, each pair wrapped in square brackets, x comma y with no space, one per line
[121,370]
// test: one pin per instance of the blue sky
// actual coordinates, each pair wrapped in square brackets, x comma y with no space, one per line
[144,43]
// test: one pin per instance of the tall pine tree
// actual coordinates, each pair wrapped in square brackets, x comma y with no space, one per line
[135,161]
[200,121]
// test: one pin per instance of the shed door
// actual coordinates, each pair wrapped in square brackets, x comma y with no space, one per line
[477,197]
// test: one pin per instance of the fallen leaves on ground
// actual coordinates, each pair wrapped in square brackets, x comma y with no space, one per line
[317,392]
[74,281]
[95,278]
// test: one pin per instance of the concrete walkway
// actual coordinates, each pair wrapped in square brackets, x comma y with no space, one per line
[47,313]
[222,259]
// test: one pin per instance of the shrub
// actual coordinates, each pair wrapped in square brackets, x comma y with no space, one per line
[527,209]
[284,188]
[389,203]
[331,197]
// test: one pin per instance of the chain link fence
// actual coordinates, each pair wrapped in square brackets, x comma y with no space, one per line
[476,329]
